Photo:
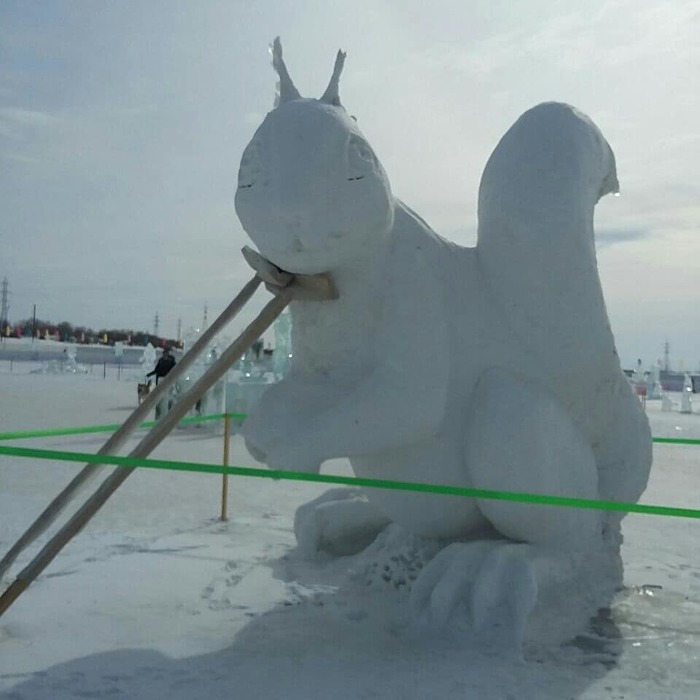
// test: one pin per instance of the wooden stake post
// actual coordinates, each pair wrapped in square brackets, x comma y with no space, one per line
[224,477]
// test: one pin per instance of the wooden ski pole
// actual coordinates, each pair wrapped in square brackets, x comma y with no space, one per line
[117,440]
[76,523]
[224,477]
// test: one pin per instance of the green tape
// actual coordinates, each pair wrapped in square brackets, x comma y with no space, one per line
[539,499]
[676,441]
[53,432]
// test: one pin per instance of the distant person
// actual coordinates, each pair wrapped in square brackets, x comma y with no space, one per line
[163,366]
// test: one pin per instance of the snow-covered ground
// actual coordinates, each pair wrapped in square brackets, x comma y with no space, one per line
[159,598]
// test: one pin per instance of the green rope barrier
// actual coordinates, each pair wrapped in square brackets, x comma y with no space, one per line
[676,441]
[204,467]
[53,432]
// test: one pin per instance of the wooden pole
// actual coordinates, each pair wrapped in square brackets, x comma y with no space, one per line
[150,441]
[119,438]
[224,481]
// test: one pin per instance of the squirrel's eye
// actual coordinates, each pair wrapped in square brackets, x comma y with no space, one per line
[248,171]
[364,152]
[361,159]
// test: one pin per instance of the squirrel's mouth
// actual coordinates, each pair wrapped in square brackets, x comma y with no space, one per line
[303,287]
[298,260]
[299,246]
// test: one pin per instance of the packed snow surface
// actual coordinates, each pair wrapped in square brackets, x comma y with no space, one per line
[158,598]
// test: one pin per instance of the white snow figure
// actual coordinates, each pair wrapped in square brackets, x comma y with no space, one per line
[687,395]
[283,345]
[409,374]
[148,358]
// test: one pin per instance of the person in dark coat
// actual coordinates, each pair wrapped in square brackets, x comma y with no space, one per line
[163,366]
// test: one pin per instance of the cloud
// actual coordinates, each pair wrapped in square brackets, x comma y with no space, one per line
[19,124]
[618,35]
[28,117]
[613,236]
[19,158]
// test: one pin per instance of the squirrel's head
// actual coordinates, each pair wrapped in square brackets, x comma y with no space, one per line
[311,194]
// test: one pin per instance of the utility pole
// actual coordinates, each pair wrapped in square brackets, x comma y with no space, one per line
[156,325]
[205,321]
[4,306]
[667,353]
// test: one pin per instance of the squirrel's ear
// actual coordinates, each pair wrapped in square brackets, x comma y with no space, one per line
[331,96]
[286,89]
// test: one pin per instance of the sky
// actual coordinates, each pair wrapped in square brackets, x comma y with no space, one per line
[122,125]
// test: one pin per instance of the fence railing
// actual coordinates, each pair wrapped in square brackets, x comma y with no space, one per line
[104,369]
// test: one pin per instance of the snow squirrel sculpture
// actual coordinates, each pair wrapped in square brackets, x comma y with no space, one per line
[489,367]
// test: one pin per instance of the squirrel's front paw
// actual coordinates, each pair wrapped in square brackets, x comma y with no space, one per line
[293,458]
[255,452]
[257,438]
[279,431]
[340,522]
[279,449]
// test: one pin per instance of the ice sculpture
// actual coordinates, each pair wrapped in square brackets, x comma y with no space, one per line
[256,373]
[654,388]
[313,197]
[214,401]
[282,355]
[148,358]
[67,365]
[687,395]
[71,365]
